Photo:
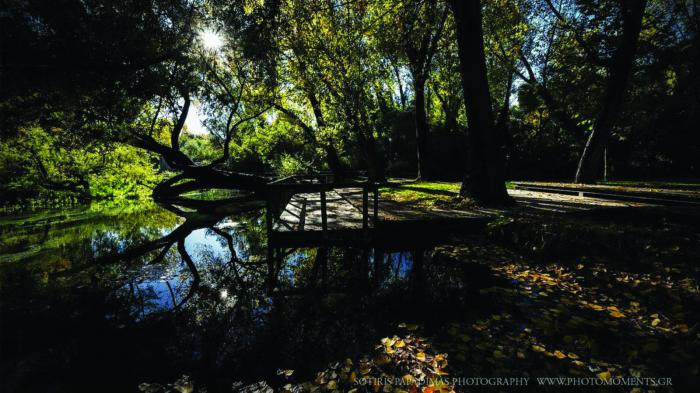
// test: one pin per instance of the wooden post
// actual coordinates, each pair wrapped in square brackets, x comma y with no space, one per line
[365,207]
[605,163]
[268,219]
[268,213]
[376,205]
[324,218]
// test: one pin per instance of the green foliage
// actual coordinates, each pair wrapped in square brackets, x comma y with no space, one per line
[289,165]
[47,165]
[201,148]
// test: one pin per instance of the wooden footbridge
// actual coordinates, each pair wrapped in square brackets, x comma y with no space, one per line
[317,210]
[314,209]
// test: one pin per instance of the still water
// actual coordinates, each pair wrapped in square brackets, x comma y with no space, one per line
[102,298]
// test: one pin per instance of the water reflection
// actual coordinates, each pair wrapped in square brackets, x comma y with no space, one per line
[101,299]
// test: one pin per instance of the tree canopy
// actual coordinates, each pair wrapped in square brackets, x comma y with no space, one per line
[484,91]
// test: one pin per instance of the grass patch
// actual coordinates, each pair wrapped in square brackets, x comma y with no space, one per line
[428,194]
[422,194]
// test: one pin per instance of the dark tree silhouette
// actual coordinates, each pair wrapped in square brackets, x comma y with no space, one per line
[621,64]
[484,176]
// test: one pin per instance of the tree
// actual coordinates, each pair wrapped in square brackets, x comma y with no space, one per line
[419,26]
[446,82]
[341,68]
[619,69]
[52,165]
[305,94]
[158,67]
[484,176]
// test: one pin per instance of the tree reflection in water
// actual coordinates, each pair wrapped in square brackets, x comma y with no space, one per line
[149,300]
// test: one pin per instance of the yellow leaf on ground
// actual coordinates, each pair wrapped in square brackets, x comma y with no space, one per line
[420,356]
[655,322]
[616,314]
[559,354]
[605,375]
[538,348]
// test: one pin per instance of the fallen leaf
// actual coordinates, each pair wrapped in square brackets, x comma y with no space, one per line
[538,348]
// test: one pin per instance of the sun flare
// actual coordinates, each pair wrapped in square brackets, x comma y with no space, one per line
[211,40]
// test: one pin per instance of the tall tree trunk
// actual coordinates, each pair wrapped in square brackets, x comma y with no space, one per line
[402,95]
[332,157]
[621,64]
[484,176]
[502,122]
[423,172]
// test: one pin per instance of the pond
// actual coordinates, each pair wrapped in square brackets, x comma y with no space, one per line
[103,298]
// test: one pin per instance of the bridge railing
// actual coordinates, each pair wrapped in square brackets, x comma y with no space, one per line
[281,191]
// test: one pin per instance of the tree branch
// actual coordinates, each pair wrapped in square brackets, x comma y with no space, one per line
[175,134]
[591,55]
